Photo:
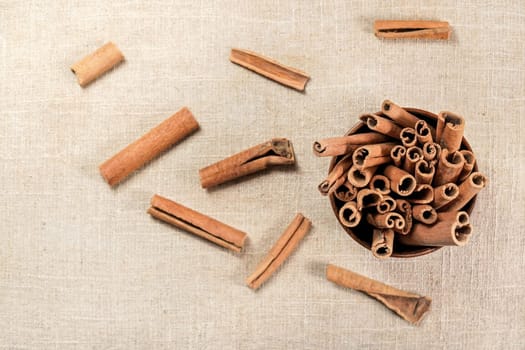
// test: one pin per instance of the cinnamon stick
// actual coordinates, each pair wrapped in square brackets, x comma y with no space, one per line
[449,167]
[149,146]
[434,30]
[282,249]
[386,204]
[444,194]
[368,198]
[424,172]
[391,220]
[399,115]
[349,215]
[423,132]
[346,192]
[372,155]
[380,183]
[270,68]
[408,137]
[381,125]
[335,146]
[97,63]
[405,209]
[401,182]
[451,228]
[451,133]
[431,151]
[423,194]
[468,166]
[474,183]
[411,307]
[414,154]
[196,223]
[382,243]
[398,154]
[360,178]
[424,213]
[338,171]
[278,151]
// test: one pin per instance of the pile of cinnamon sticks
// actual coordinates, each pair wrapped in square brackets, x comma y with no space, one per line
[406,179]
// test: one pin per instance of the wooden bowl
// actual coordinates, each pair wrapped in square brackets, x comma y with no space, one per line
[362,233]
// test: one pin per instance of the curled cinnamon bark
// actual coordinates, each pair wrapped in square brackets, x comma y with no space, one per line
[386,204]
[424,172]
[282,249]
[398,154]
[349,215]
[405,209]
[382,243]
[380,183]
[97,63]
[339,171]
[414,154]
[423,194]
[474,183]
[335,146]
[449,167]
[399,114]
[408,137]
[391,220]
[451,228]
[468,166]
[431,151]
[424,213]
[346,192]
[451,132]
[368,198]
[381,125]
[360,178]
[444,194]
[411,307]
[401,182]
[435,30]
[368,156]
[423,132]
[278,151]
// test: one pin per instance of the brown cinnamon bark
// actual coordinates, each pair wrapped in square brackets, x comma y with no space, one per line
[360,178]
[346,192]
[466,191]
[424,172]
[423,132]
[380,183]
[405,209]
[270,68]
[197,223]
[408,137]
[282,249]
[381,125]
[368,156]
[424,213]
[468,166]
[451,133]
[368,198]
[401,182]
[398,154]
[433,30]
[382,243]
[431,151]
[449,167]
[444,194]
[411,307]
[451,228]
[339,171]
[97,63]
[349,215]
[149,146]
[423,194]
[335,146]
[386,204]
[278,151]
[414,154]
[399,114]
[391,220]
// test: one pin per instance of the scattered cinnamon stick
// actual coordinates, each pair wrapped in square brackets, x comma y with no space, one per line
[97,63]
[335,146]
[149,146]
[278,151]
[270,68]
[411,307]
[282,249]
[197,223]
[382,243]
[434,30]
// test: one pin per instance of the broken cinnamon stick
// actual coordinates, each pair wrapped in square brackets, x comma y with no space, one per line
[270,68]
[434,30]
[444,194]
[349,215]
[282,249]
[97,63]
[196,223]
[381,125]
[338,171]
[149,146]
[399,115]
[449,167]
[401,182]
[372,155]
[411,307]
[278,151]
[335,146]
[424,213]
[474,183]
[382,243]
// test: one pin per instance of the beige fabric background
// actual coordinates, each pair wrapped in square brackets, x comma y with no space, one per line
[83,266]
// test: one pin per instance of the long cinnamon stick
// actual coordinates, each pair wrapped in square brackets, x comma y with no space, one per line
[444,194]
[335,146]
[474,183]
[411,307]
[349,215]
[425,213]
[423,194]
[346,192]
[278,151]
[431,151]
[282,249]
[97,63]
[399,114]
[381,125]
[434,30]
[391,220]
[414,154]
[468,166]
[398,154]
[196,223]
[405,209]
[408,137]
[372,155]
[423,132]
[451,133]
[149,146]
[382,243]
[270,68]
[449,167]
[424,172]
[401,182]
[360,178]
[380,183]
[368,198]
[338,171]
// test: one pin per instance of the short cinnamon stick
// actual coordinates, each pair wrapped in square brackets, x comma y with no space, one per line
[423,194]
[414,154]
[149,146]
[411,307]
[335,146]
[405,209]
[434,30]
[346,192]
[468,166]
[270,68]
[423,132]
[196,223]
[278,151]
[431,151]
[97,63]
[382,243]
[282,249]
[386,204]
[391,220]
